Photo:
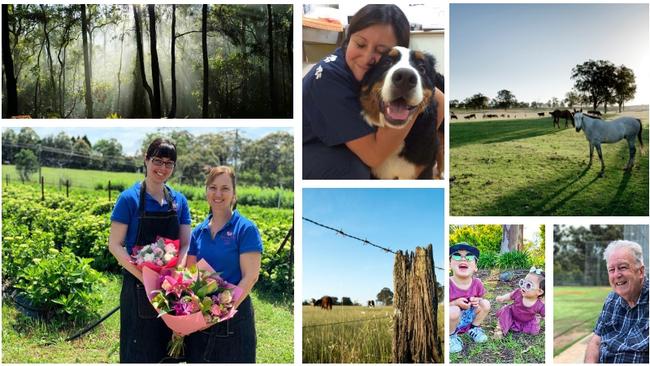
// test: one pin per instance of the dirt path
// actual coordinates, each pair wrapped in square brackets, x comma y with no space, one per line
[575,353]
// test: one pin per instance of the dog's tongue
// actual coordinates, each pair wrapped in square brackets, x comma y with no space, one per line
[397,110]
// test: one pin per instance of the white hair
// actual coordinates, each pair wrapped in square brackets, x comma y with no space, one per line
[633,247]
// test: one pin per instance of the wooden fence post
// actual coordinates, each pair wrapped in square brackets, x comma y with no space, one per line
[109,191]
[42,188]
[67,187]
[7,179]
[415,325]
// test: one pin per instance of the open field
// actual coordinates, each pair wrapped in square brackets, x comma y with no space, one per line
[575,312]
[25,340]
[528,167]
[514,347]
[350,334]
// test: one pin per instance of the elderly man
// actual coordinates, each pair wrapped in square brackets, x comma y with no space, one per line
[621,333]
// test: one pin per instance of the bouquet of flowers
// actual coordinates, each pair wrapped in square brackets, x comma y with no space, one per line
[190,299]
[161,254]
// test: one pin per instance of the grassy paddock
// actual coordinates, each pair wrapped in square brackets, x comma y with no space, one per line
[350,334]
[575,312]
[513,348]
[527,167]
[30,341]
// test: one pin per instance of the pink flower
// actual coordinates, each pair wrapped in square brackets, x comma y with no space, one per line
[216,310]
[225,297]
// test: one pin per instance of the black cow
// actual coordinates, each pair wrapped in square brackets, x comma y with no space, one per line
[470,116]
[595,113]
[541,114]
[371,303]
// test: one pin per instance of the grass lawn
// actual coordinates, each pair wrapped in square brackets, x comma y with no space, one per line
[513,348]
[29,341]
[79,178]
[575,312]
[527,167]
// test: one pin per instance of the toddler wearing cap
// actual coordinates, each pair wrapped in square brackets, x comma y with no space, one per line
[467,307]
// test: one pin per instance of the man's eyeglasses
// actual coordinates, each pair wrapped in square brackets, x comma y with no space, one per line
[524,284]
[160,162]
[457,256]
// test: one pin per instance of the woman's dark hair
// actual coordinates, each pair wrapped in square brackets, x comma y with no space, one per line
[373,14]
[161,148]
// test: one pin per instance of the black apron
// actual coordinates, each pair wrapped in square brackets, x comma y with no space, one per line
[232,341]
[144,336]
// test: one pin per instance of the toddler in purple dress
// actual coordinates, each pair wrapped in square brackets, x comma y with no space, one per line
[522,315]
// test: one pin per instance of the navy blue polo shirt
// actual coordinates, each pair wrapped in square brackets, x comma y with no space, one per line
[239,235]
[126,210]
[331,117]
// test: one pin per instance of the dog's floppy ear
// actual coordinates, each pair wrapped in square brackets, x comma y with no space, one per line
[435,77]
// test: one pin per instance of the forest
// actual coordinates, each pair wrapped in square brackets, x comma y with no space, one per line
[147,61]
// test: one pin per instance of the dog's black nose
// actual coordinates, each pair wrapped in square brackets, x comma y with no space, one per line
[404,79]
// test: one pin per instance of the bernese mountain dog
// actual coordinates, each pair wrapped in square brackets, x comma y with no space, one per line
[398,89]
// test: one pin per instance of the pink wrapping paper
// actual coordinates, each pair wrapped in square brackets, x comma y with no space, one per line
[185,324]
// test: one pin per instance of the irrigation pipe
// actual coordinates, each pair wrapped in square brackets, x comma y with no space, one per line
[93,325]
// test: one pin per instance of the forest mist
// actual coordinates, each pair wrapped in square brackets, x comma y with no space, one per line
[247,56]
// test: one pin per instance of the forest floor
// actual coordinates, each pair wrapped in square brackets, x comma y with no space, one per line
[25,340]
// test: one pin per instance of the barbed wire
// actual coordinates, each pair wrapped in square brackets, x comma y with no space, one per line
[364,241]
[346,322]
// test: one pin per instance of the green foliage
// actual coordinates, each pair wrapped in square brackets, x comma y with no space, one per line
[488,260]
[514,260]
[87,237]
[26,163]
[487,238]
[20,247]
[62,283]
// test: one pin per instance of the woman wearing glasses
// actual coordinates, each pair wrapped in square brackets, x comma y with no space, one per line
[142,212]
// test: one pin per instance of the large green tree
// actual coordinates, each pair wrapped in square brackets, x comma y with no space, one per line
[624,86]
[596,79]
[26,163]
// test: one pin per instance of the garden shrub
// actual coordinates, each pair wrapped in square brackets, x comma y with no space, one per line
[488,260]
[487,238]
[20,247]
[62,284]
[87,237]
[514,260]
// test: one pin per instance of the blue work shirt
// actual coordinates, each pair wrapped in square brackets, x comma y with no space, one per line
[126,210]
[331,116]
[623,330]
[239,235]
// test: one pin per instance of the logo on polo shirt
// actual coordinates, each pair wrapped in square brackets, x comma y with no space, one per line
[229,233]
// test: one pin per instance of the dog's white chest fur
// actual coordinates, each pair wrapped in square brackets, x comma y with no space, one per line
[395,167]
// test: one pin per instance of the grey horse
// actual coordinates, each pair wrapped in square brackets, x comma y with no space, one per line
[602,132]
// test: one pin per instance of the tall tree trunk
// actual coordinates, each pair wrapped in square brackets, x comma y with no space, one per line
[140,54]
[50,63]
[172,111]
[87,69]
[8,62]
[119,71]
[274,104]
[204,47]
[155,69]
[512,238]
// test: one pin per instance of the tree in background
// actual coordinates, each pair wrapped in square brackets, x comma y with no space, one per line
[477,101]
[385,296]
[346,301]
[624,86]
[8,65]
[512,238]
[26,163]
[505,99]
[596,79]
[87,66]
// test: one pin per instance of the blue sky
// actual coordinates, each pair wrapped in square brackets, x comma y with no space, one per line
[395,218]
[131,138]
[530,49]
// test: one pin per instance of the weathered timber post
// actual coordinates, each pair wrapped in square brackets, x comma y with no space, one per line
[415,326]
